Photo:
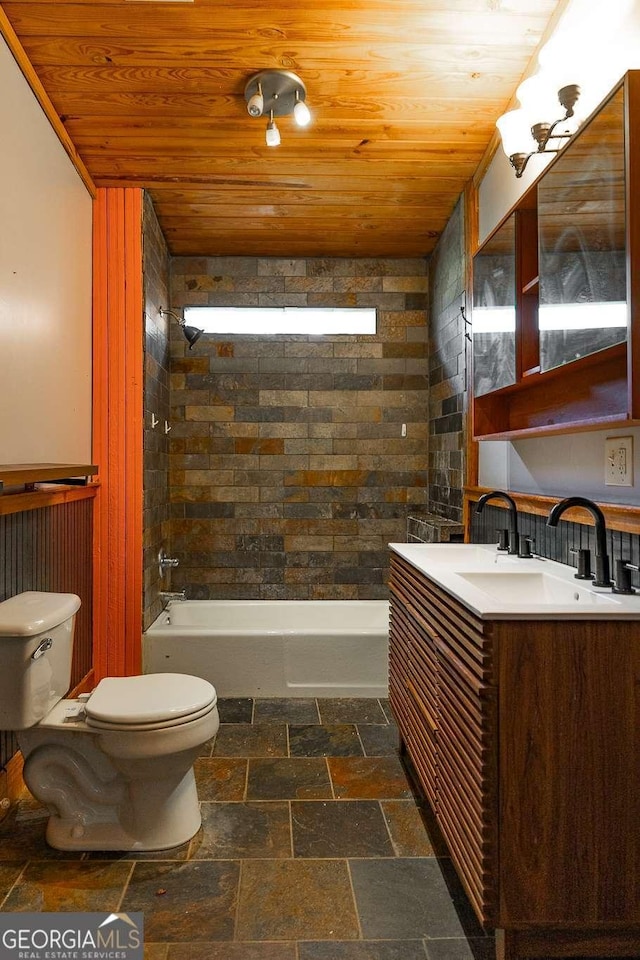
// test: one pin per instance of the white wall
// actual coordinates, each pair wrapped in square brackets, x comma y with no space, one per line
[45,286]
[569,464]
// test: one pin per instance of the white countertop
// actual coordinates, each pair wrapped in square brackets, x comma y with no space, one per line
[497,586]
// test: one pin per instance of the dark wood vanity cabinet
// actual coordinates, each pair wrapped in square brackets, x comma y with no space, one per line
[525,737]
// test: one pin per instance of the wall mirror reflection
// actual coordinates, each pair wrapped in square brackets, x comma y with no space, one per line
[581,224]
[494,311]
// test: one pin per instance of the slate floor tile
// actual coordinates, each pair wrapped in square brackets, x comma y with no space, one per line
[235,709]
[172,898]
[22,834]
[403,899]
[461,949]
[379,740]
[232,951]
[9,873]
[285,710]
[388,712]
[296,899]
[368,778]
[74,885]
[207,748]
[237,831]
[180,852]
[363,950]
[288,779]
[155,951]
[251,740]
[339,828]
[351,710]
[409,835]
[219,778]
[331,740]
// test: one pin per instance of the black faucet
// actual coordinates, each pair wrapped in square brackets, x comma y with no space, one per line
[603,573]
[514,537]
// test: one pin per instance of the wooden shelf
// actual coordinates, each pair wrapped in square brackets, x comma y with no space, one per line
[28,474]
[587,394]
[602,389]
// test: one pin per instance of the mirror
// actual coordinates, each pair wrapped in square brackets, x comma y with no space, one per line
[494,311]
[581,236]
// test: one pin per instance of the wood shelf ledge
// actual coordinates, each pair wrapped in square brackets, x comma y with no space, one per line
[618,516]
[28,474]
[31,486]
[44,495]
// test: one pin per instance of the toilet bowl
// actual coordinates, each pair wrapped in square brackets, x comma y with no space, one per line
[114,767]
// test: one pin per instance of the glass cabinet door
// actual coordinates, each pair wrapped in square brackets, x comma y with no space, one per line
[494,311]
[581,238]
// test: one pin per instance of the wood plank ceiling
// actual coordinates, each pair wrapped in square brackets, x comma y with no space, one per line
[403,93]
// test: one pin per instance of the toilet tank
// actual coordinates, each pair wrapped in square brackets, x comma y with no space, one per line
[36,646]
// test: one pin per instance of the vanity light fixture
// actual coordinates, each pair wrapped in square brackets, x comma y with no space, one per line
[522,138]
[276,93]
[191,334]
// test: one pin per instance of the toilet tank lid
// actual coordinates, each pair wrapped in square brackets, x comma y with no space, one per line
[28,614]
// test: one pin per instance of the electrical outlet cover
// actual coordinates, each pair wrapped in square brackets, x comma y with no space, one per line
[618,462]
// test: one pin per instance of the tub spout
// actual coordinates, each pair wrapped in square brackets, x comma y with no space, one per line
[167,596]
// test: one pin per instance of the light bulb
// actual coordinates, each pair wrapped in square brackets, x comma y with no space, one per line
[273,134]
[255,104]
[538,97]
[301,113]
[515,133]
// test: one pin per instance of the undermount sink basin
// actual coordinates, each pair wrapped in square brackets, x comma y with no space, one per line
[511,586]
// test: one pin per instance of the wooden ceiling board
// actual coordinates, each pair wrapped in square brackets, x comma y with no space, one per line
[404,95]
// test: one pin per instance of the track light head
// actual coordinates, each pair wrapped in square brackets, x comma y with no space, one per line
[272,134]
[255,103]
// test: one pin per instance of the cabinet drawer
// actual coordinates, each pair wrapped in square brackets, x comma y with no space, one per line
[442,614]
[478,876]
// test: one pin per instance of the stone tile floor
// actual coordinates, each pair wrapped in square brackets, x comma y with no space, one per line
[312,847]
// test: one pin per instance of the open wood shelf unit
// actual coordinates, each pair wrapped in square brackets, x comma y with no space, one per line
[599,170]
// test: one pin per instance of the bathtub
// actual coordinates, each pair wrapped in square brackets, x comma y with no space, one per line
[274,648]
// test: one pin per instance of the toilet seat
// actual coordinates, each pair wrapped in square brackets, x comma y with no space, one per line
[149,702]
[157,725]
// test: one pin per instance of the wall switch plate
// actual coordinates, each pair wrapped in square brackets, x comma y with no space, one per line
[618,462]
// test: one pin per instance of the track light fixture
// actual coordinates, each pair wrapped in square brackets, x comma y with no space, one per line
[191,334]
[521,138]
[277,93]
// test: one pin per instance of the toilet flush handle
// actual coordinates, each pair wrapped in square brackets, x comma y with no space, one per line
[42,648]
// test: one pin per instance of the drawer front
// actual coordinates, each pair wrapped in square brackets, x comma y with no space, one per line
[413,692]
[451,726]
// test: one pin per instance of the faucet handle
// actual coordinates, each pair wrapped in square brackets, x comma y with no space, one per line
[525,548]
[503,539]
[623,577]
[584,564]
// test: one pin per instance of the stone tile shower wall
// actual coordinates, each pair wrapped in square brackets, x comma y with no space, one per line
[156,404]
[289,474]
[447,369]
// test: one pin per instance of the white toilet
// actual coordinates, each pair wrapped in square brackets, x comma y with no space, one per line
[114,767]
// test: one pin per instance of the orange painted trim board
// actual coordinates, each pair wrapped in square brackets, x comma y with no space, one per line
[118,411]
